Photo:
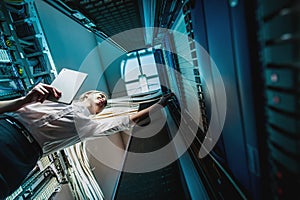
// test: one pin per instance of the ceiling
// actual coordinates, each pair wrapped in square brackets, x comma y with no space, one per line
[109,16]
[114,18]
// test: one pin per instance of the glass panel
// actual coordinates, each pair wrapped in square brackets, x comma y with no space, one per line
[131,70]
[133,88]
[153,84]
[148,65]
[140,83]
[143,83]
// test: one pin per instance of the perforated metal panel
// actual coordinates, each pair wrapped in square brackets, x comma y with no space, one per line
[111,17]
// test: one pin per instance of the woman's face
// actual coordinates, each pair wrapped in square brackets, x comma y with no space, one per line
[96,102]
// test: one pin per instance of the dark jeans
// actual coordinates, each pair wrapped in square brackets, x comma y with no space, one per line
[17,157]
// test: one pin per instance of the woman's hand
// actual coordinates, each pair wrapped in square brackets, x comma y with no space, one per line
[135,118]
[165,98]
[40,93]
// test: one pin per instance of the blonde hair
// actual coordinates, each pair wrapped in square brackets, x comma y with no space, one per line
[84,95]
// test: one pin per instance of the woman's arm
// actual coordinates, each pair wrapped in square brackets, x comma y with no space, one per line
[11,105]
[38,94]
[157,106]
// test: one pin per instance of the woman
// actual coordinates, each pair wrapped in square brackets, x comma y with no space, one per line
[32,127]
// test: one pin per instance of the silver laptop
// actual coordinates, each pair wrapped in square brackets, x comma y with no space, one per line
[68,82]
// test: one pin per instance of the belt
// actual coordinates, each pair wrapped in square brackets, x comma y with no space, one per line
[21,129]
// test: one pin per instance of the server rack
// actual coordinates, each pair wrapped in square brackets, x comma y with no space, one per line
[216,176]
[279,55]
[26,58]
[25,61]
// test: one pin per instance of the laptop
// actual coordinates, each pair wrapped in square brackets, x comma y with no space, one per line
[68,82]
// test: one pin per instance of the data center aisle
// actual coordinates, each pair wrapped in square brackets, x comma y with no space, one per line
[165,183]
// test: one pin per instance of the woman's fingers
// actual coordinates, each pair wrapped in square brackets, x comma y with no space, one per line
[168,96]
[43,98]
[41,92]
[165,98]
[56,93]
